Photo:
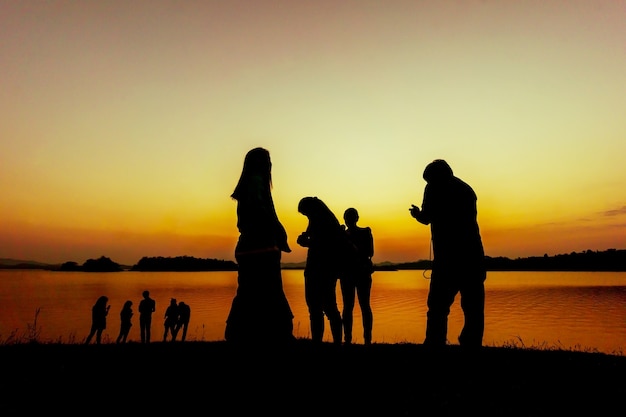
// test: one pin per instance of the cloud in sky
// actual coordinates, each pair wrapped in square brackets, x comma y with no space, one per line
[617,212]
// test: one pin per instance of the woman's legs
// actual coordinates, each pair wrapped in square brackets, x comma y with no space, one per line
[363,291]
[99,336]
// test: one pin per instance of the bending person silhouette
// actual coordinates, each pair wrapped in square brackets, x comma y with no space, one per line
[99,313]
[326,243]
[184,314]
[147,306]
[260,311]
[126,315]
[357,277]
[449,206]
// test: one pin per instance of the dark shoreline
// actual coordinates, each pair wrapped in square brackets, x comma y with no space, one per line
[303,379]
[610,260]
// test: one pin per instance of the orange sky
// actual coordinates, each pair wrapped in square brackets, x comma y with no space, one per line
[125,124]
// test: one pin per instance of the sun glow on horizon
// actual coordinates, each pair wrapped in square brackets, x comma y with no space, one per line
[125,138]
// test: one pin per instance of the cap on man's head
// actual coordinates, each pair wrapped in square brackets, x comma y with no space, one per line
[437,170]
[306,205]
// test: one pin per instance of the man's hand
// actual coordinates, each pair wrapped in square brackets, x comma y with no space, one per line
[414,210]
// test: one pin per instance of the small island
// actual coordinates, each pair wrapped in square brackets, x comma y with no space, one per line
[183,264]
[102,264]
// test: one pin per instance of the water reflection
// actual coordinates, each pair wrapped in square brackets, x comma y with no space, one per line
[553,309]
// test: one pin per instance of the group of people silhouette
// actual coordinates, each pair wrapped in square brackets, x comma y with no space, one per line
[336,253]
[177,316]
[260,311]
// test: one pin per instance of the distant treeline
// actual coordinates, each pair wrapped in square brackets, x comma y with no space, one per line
[176,264]
[609,260]
[183,264]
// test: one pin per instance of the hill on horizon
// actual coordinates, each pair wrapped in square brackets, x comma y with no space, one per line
[609,260]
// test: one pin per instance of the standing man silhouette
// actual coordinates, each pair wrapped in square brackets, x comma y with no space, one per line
[449,206]
[147,306]
[357,277]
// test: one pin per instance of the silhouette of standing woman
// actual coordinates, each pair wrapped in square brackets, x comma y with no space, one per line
[99,313]
[358,277]
[325,240]
[449,206]
[171,318]
[260,311]
[125,321]
[147,306]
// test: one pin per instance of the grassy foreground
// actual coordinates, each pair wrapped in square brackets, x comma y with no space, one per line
[215,378]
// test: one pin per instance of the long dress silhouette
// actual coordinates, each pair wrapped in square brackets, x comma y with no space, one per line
[260,311]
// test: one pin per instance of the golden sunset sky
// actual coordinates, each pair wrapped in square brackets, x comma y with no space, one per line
[125,123]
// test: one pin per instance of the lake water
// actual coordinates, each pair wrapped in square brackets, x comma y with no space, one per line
[564,310]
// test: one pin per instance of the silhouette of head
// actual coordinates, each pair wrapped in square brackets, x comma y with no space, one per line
[128,304]
[145,294]
[102,300]
[173,302]
[351,216]
[256,162]
[310,205]
[437,171]
[318,212]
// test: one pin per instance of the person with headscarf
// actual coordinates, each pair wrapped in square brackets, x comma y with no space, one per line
[260,311]
[327,254]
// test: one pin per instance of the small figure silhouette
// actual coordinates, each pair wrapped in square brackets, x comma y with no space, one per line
[125,321]
[357,277]
[260,311]
[326,256]
[171,319]
[184,314]
[99,313]
[449,206]
[147,306]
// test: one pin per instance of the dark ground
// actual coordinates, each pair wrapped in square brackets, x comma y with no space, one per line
[214,378]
